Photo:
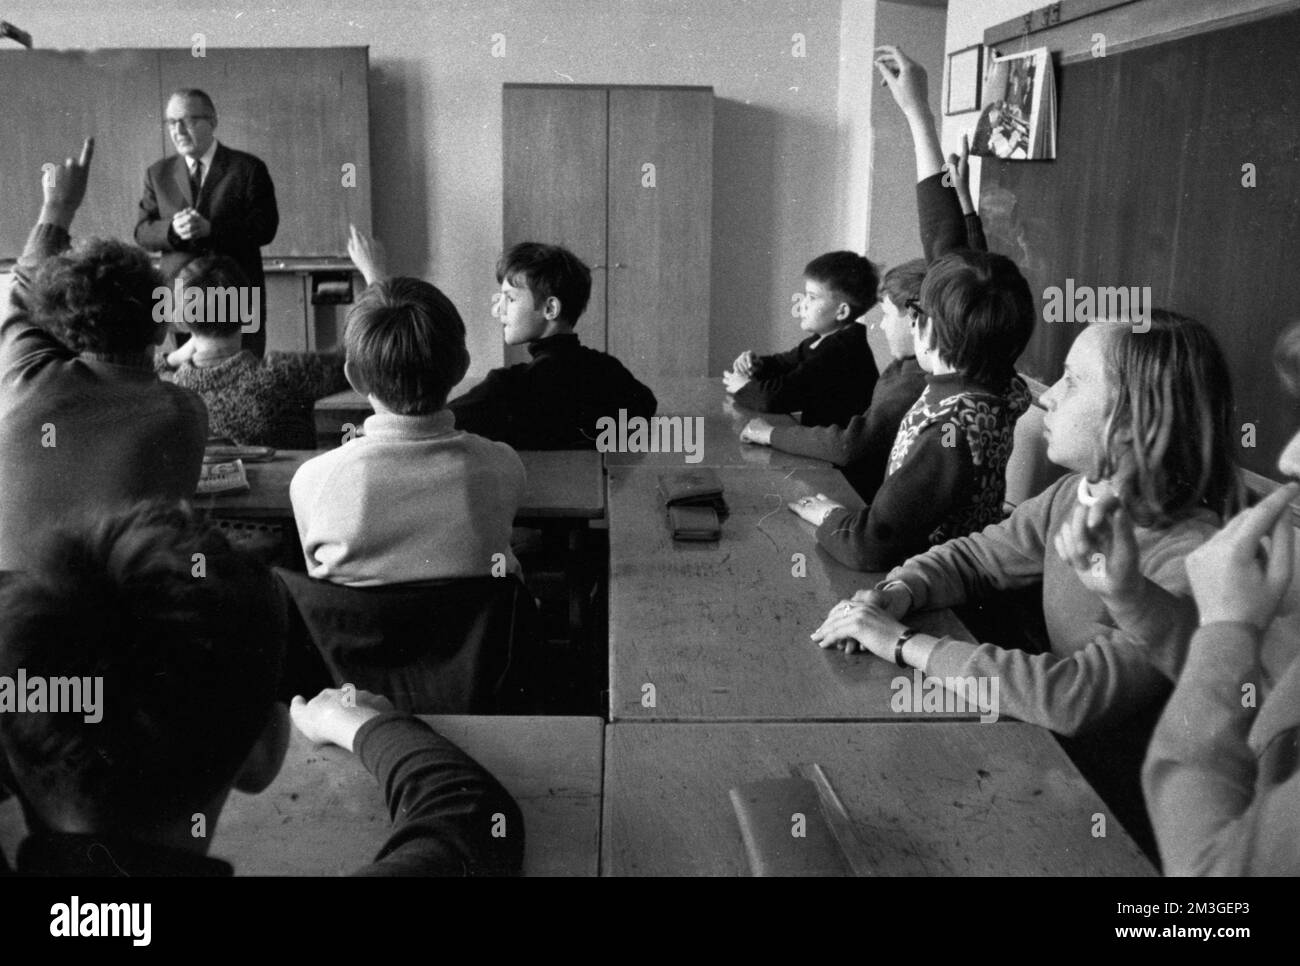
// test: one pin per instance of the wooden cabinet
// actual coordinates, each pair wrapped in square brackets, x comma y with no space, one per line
[622,176]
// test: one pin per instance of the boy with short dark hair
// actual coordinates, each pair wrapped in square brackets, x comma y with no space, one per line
[861,449]
[84,421]
[828,377]
[555,401]
[415,497]
[189,668]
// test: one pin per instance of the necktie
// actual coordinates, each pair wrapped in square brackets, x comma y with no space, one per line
[196,181]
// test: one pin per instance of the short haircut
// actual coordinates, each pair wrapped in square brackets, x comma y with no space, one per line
[194,92]
[981,313]
[548,271]
[220,278]
[190,650]
[852,277]
[98,297]
[1169,437]
[902,283]
[407,343]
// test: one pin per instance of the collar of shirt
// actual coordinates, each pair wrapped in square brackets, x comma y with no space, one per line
[206,159]
[396,426]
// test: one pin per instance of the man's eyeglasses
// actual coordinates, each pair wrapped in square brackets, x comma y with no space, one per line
[188,120]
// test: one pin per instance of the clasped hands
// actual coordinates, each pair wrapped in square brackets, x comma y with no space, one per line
[189,225]
[869,621]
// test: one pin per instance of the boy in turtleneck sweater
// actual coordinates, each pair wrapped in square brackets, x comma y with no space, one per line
[555,401]
[85,424]
[415,498]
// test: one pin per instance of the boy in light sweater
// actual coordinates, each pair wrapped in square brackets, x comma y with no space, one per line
[413,498]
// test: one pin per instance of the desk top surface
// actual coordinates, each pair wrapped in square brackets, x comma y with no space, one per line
[561,483]
[721,630]
[704,401]
[331,818]
[925,798]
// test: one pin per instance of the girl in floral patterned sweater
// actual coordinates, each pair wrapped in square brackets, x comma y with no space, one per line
[946,475]
[251,401]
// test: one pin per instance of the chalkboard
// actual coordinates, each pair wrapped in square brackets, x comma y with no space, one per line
[1155,149]
[302,110]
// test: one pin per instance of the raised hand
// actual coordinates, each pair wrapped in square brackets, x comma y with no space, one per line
[906,80]
[957,173]
[368,254]
[1244,570]
[1099,543]
[64,186]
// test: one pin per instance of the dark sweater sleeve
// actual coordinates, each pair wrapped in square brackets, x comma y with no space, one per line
[943,226]
[445,807]
[814,380]
[487,408]
[779,363]
[909,505]
[21,340]
[975,239]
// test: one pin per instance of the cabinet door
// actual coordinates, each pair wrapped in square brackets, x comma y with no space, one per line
[660,229]
[553,173]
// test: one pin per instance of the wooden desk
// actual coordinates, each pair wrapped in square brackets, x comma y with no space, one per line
[562,485]
[721,630]
[926,798]
[705,397]
[325,815]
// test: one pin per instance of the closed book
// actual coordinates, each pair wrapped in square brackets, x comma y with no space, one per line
[784,830]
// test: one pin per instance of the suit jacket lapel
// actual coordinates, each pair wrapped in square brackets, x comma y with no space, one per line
[181,178]
[220,157]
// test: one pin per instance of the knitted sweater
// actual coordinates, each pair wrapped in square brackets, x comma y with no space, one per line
[442,804]
[264,402]
[79,435]
[1222,782]
[828,381]
[1094,673]
[412,499]
[861,449]
[946,475]
[555,401]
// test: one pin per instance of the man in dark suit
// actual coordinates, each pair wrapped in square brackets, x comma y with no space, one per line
[208,199]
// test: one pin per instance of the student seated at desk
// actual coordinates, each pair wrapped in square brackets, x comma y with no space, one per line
[828,377]
[555,401]
[415,497]
[85,423]
[182,710]
[861,449]
[253,402]
[1222,776]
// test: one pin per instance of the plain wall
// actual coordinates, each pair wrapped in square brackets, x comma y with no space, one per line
[435,121]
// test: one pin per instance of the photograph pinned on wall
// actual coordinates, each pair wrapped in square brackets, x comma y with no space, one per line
[1018,110]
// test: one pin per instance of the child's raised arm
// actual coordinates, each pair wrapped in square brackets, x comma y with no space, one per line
[906,80]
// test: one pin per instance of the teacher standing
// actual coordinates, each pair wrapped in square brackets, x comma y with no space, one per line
[208,199]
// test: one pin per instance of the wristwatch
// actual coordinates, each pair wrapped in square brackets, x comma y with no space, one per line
[903,638]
